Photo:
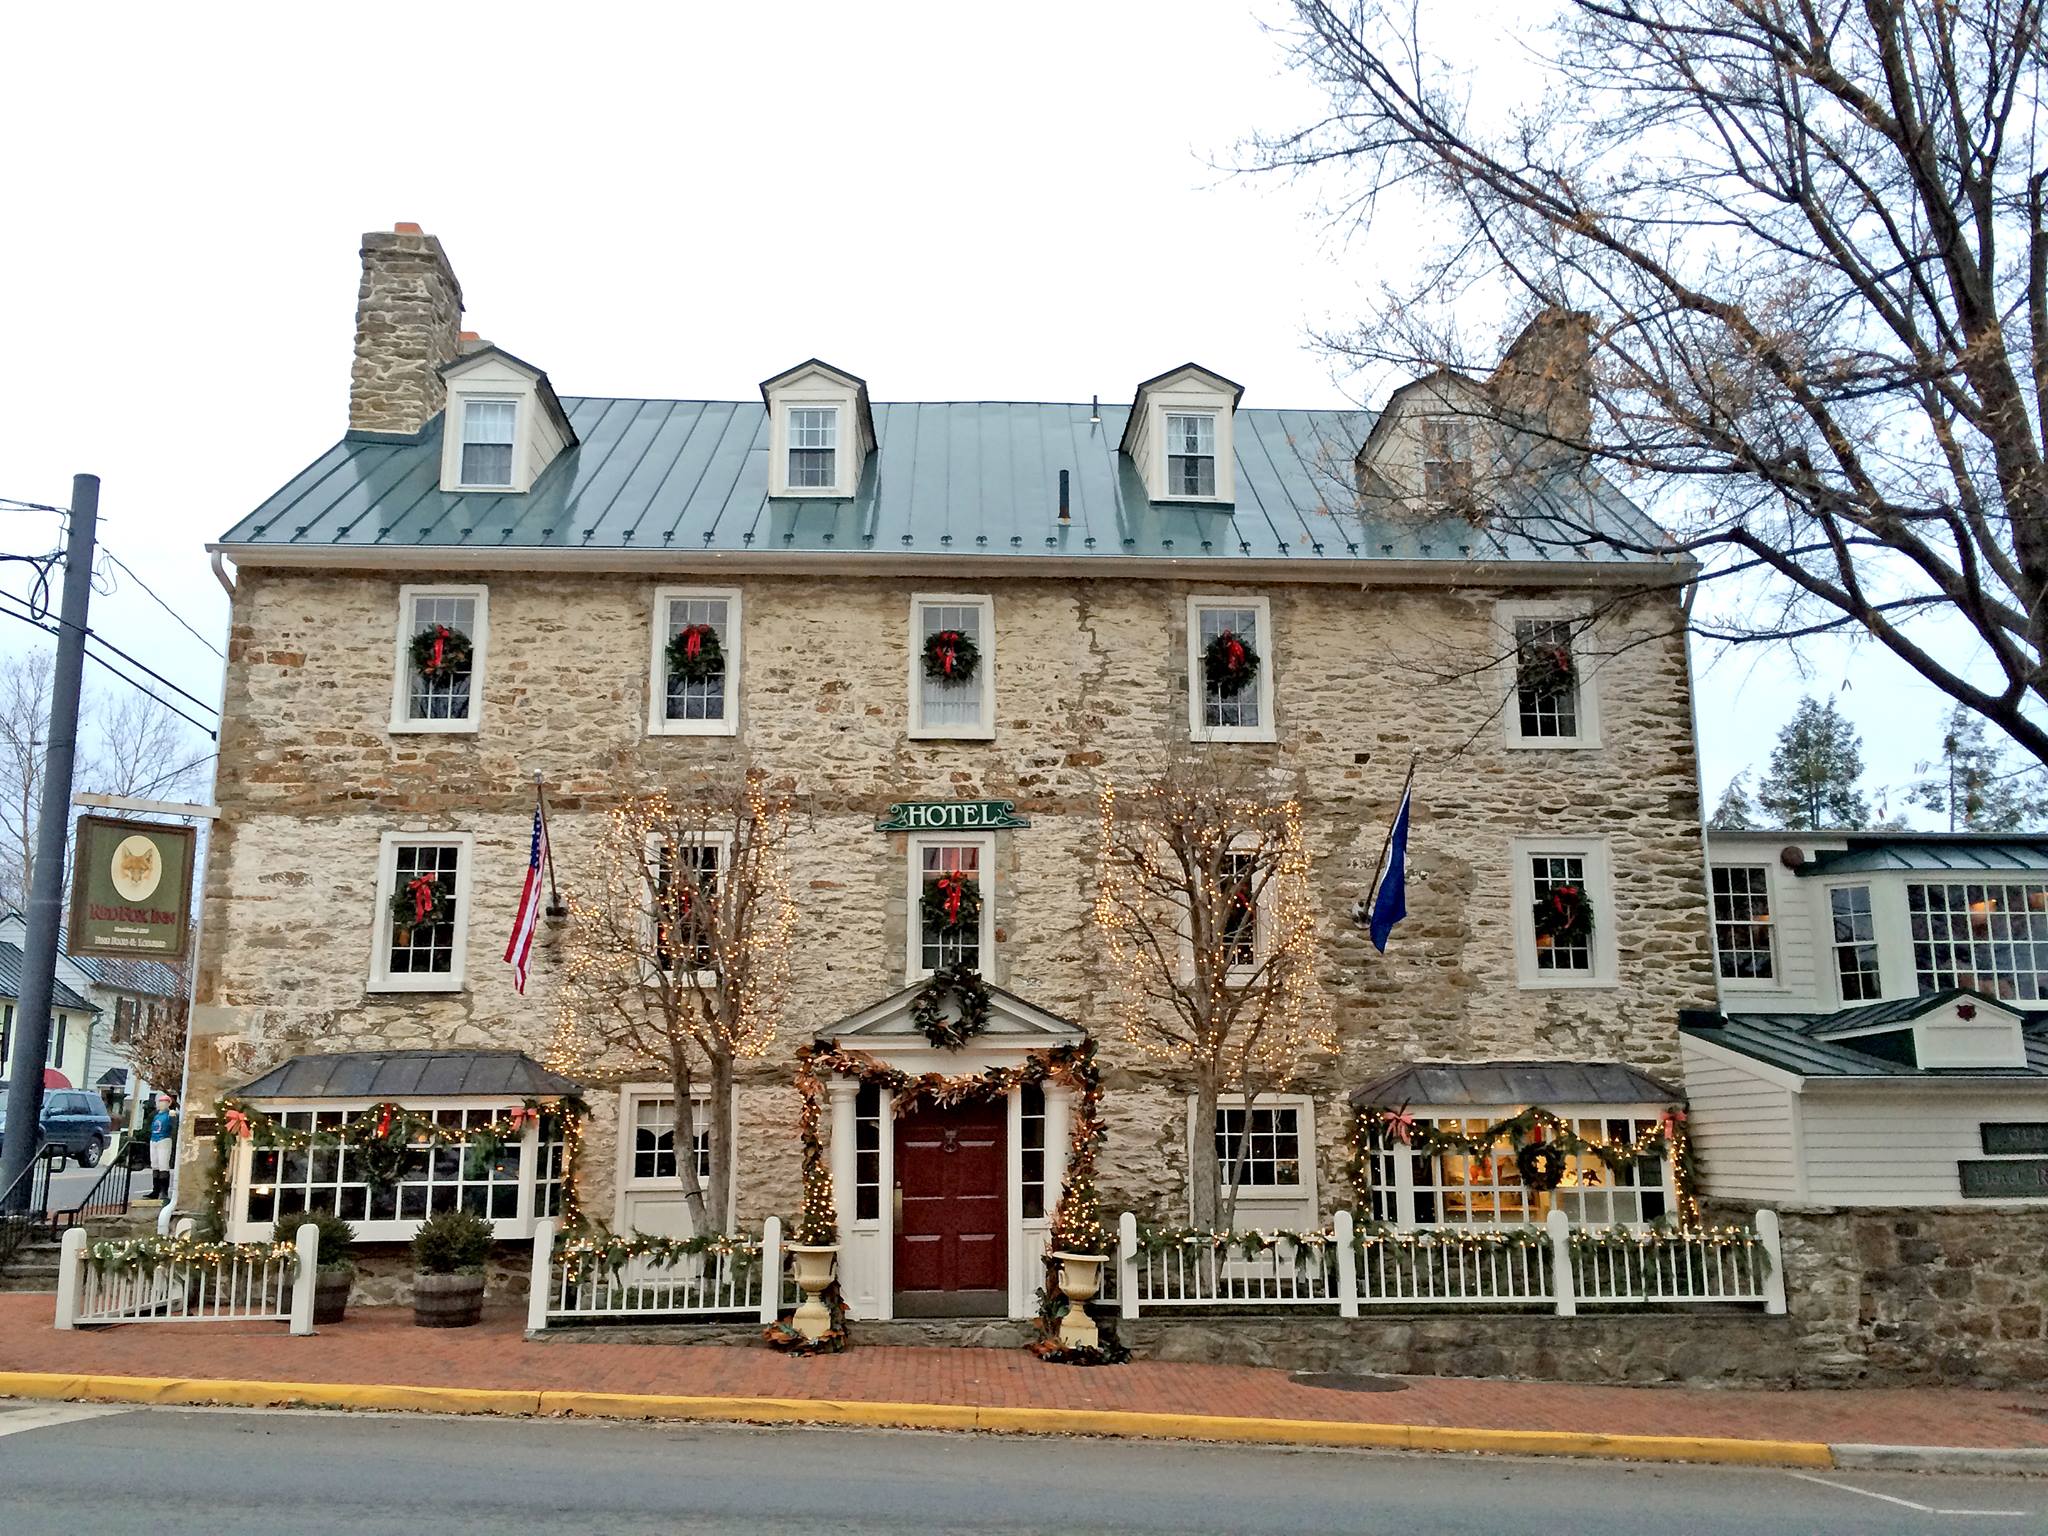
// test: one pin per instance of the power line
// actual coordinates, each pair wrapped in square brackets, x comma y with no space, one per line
[173,776]
[13,504]
[116,560]
[94,637]
[52,629]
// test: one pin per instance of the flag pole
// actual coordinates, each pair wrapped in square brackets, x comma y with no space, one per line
[1381,867]
[540,801]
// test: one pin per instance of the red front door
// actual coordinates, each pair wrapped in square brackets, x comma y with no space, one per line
[952,1211]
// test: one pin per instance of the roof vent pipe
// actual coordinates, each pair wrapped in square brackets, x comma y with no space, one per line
[1065,515]
[1094,410]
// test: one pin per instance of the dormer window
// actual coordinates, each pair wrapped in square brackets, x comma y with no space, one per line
[1191,455]
[1446,460]
[488,432]
[813,447]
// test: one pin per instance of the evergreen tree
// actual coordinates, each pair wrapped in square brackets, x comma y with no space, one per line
[1735,811]
[1814,769]
[1971,785]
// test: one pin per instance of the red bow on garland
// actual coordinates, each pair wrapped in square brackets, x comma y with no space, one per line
[1400,1125]
[1233,652]
[1674,1122]
[423,889]
[238,1124]
[951,891]
[440,644]
[948,642]
[518,1117]
[693,641]
[384,1114]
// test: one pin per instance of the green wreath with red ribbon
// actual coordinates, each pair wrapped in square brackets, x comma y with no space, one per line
[695,655]
[439,652]
[952,902]
[1565,915]
[951,656]
[1544,670]
[1230,664]
[424,901]
[1541,1165]
[928,1008]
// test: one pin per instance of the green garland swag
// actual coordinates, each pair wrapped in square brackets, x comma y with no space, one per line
[598,1251]
[951,902]
[137,1255]
[1565,915]
[439,652]
[425,901]
[951,656]
[1251,1244]
[1230,664]
[928,1009]
[695,655]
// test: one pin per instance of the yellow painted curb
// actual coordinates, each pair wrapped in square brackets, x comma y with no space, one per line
[803,1410]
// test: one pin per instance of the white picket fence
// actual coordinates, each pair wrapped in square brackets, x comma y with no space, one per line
[245,1289]
[697,1286]
[1559,1270]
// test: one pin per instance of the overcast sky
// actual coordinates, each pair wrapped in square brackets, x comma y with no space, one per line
[955,201]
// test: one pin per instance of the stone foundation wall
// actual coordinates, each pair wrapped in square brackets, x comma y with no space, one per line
[384,1274]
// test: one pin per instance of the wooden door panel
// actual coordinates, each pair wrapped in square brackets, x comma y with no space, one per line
[952,1176]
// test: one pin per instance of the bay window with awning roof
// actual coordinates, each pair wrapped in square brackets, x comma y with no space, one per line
[1415,1184]
[316,1107]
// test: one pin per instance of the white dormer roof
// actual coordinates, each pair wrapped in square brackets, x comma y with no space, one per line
[816,384]
[1189,389]
[541,431]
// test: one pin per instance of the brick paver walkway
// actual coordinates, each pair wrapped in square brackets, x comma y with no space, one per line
[381,1345]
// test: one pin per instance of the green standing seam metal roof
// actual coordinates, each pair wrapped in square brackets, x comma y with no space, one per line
[1944,854]
[965,478]
[1795,1042]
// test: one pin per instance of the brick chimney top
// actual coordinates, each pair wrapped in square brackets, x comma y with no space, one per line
[406,229]
[408,323]
[469,336]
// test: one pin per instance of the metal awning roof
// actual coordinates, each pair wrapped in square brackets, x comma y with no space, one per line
[400,1075]
[1513,1083]
[1945,853]
[1801,1042]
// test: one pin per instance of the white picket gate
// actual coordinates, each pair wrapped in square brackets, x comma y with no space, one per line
[251,1285]
[698,1286]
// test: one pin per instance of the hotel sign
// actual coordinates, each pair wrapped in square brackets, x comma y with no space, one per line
[951,816]
[131,889]
[2009,1137]
[2005,1178]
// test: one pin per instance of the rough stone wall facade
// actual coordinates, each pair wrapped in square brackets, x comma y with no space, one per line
[408,323]
[1090,684]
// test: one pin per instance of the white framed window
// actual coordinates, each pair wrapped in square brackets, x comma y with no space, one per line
[1191,455]
[1035,1200]
[813,447]
[1990,936]
[1545,868]
[490,433]
[1855,944]
[1446,460]
[1483,1189]
[943,708]
[447,697]
[1551,698]
[654,1139]
[1279,1176]
[1743,944]
[1216,711]
[934,944]
[707,703]
[422,956]
[678,938]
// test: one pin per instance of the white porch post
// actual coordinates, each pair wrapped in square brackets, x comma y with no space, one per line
[843,1092]
[540,1276]
[1563,1283]
[1059,1131]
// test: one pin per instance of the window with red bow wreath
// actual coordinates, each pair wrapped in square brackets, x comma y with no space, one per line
[422,902]
[1565,915]
[1544,670]
[1230,664]
[928,1008]
[952,902]
[439,652]
[694,654]
[951,656]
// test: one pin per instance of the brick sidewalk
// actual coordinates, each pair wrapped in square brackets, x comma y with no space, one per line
[381,1345]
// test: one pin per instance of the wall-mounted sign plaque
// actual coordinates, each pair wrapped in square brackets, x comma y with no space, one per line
[951,816]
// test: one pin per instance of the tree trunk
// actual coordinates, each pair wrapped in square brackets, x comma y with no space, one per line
[720,1194]
[1233,1173]
[681,1082]
[1204,1168]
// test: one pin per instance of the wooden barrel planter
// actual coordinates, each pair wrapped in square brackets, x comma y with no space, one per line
[330,1294]
[447,1301]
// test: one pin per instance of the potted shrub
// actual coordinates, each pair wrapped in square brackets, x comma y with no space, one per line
[448,1254]
[337,1270]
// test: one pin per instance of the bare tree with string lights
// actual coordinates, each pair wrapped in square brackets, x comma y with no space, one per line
[677,957]
[1205,904]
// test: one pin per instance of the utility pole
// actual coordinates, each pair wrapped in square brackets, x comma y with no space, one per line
[46,891]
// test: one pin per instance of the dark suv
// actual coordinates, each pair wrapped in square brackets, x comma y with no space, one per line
[73,1120]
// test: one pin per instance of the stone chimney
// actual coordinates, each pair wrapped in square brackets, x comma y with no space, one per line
[1547,376]
[408,321]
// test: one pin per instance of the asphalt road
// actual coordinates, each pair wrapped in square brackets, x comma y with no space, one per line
[68,1470]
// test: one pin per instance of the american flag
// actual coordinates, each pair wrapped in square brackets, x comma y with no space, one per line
[519,948]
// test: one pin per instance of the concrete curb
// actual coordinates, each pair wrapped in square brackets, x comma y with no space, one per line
[185,1391]
[2002,1462]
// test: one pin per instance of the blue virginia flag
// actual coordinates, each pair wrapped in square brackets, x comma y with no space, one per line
[1391,905]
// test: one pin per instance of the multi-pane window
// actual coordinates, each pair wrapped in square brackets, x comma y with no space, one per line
[1190,454]
[682,918]
[1031,1142]
[425,874]
[487,434]
[434,1177]
[547,1173]
[1272,1155]
[813,447]
[940,945]
[1593,1194]
[1486,1188]
[1551,873]
[867,1153]
[1546,679]
[440,692]
[1446,460]
[654,1140]
[696,691]
[1222,706]
[1742,921]
[1993,938]
[1855,944]
[1239,873]
[959,703]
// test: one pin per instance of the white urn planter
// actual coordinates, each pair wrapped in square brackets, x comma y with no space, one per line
[1080,1279]
[813,1264]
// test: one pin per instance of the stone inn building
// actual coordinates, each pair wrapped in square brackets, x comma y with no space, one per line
[1092,552]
